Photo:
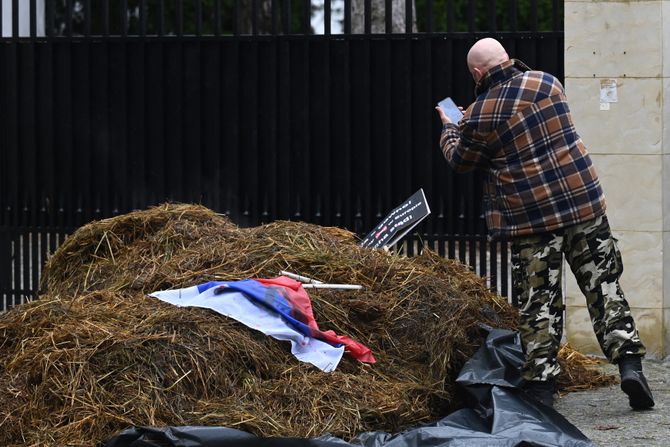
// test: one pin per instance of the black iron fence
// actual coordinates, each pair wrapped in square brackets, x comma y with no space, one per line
[334,130]
[73,18]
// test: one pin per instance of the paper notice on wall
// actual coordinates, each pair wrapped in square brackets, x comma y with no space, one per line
[608,91]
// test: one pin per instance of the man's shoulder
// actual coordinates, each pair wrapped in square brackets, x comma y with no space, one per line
[543,77]
[533,81]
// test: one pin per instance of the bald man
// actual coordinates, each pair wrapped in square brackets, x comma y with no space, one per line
[542,193]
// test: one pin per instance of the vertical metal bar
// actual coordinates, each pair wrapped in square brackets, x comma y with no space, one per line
[308,183]
[217,17]
[483,247]
[50,12]
[430,21]
[210,116]
[388,16]
[53,237]
[275,17]
[179,17]
[25,258]
[347,16]
[472,239]
[46,119]
[254,17]
[41,252]
[514,15]
[440,238]
[307,16]
[29,149]
[33,19]
[492,16]
[143,17]
[198,17]
[4,257]
[69,17]
[103,117]
[119,116]
[514,293]
[1,18]
[533,15]
[15,18]
[5,266]
[451,214]
[327,123]
[493,266]
[230,122]
[286,16]
[160,17]
[504,268]
[451,22]
[67,131]
[472,16]
[236,17]
[153,74]
[251,148]
[88,17]
[367,16]
[556,17]
[29,160]
[85,112]
[326,17]
[409,16]
[136,120]
[105,17]
[124,17]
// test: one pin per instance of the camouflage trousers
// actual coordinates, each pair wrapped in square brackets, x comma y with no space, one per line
[595,260]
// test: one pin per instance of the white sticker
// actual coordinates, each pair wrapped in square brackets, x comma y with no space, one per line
[604,106]
[608,91]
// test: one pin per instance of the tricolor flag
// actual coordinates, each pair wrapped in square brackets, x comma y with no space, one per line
[278,307]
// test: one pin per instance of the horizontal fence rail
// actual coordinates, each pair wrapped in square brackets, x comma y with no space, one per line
[72,18]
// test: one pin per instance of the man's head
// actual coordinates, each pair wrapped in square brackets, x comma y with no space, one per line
[484,55]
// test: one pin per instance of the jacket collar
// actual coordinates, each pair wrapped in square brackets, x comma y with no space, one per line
[499,74]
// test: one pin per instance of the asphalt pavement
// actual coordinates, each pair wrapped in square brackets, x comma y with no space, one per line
[604,416]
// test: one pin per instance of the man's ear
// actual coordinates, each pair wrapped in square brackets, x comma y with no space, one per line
[477,74]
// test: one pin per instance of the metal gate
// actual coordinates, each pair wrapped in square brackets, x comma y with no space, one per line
[126,104]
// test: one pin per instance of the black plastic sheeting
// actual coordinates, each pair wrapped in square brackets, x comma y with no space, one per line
[498,414]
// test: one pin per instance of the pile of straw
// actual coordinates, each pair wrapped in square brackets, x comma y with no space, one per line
[95,354]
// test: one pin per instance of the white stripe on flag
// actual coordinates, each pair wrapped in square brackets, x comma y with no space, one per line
[237,306]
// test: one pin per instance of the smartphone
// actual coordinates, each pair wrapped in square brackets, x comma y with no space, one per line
[451,110]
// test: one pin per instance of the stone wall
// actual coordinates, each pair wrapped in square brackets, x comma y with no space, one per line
[622,43]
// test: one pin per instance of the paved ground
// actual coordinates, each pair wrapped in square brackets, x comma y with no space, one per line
[605,417]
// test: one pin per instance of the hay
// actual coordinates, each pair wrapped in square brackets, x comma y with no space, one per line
[95,355]
[580,372]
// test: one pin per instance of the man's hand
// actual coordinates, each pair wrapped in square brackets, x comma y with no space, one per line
[443,117]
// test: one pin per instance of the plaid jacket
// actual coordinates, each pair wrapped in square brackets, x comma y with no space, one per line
[519,130]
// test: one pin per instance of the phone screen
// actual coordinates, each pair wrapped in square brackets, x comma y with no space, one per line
[451,110]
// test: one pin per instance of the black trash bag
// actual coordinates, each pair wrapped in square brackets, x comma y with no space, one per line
[498,414]
[207,437]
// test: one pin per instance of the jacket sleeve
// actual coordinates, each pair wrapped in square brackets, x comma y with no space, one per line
[463,147]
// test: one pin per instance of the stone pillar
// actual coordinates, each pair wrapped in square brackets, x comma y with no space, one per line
[615,43]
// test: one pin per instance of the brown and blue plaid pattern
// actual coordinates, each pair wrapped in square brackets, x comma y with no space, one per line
[519,130]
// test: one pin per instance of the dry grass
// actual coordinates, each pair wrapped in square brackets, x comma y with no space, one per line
[95,355]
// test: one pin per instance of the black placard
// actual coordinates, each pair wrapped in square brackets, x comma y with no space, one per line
[398,222]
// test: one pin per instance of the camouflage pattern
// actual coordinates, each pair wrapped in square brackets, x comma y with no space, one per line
[595,260]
